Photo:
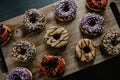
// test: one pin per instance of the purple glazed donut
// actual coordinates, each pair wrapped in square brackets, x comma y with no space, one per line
[19,73]
[92,24]
[65,10]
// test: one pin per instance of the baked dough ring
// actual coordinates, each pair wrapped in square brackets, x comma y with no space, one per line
[52,65]
[57,37]
[23,51]
[111,42]
[85,50]
[33,20]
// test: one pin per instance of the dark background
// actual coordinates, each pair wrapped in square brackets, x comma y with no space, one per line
[109,69]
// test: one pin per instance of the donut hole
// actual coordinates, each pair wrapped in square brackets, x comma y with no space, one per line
[23,51]
[33,19]
[91,22]
[66,7]
[56,36]
[114,42]
[16,77]
[86,49]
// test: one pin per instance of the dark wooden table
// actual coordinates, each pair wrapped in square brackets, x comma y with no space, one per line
[106,62]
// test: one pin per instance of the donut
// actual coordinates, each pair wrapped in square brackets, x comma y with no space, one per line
[85,50]
[23,51]
[92,24]
[111,42]
[33,21]
[65,10]
[57,36]
[96,5]
[52,65]
[19,73]
[5,34]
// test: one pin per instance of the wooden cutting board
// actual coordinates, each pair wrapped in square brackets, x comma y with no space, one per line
[72,63]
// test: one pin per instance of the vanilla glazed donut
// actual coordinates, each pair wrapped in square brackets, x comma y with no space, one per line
[33,21]
[85,50]
[23,51]
[96,5]
[19,73]
[5,34]
[92,24]
[111,42]
[57,36]
[65,10]
[52,65]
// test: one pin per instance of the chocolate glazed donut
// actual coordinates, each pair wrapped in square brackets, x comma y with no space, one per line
[85,50]
[111,42]
[57,36]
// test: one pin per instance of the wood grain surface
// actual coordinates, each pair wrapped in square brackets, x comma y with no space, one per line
[72,63]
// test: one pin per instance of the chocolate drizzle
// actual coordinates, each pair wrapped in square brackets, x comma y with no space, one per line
[84,46]
[56,38]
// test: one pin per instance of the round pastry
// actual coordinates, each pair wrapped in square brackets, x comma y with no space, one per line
[52,65]
[96,5]
[85,50]
[65,10]
[5,34]
[92,24]
[57,36]
[23,51]
[19,73]
[34,21]
[111,42]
